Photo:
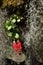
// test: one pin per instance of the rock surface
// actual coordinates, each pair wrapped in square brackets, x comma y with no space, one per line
[33,33]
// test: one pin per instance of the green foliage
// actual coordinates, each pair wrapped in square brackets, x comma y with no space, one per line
[14,21]
[16,35]
[12,28]
[10,34]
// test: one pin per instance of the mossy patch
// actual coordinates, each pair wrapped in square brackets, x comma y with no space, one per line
[11,2]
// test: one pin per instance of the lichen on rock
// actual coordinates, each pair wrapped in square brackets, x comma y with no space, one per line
[11,2]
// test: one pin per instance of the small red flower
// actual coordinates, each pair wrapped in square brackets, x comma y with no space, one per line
[19,45]
[15,46]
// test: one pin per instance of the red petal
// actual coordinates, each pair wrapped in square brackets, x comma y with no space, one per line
[16,49]
[20,48]
[18,43]
[14,45]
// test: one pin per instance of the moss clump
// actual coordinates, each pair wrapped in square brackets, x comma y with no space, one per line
[11,2]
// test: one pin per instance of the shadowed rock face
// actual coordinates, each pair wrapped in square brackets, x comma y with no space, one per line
[34,35]
[36,31]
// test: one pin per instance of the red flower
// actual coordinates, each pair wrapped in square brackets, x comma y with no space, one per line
[15,46]
[19,45]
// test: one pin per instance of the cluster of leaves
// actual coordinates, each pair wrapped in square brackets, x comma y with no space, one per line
[12,28]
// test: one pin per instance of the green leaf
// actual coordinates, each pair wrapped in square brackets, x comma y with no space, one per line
[17,36]
[10,27]
[10,34]
[14,21]
[15,16]
[7,22]
[18,20]
[6,26]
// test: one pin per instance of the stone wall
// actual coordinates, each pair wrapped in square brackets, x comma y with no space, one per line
[3,38]
[33,33]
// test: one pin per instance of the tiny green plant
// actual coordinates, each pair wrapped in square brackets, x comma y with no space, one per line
[12,28]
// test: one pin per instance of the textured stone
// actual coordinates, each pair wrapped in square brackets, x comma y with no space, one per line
[32,33]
